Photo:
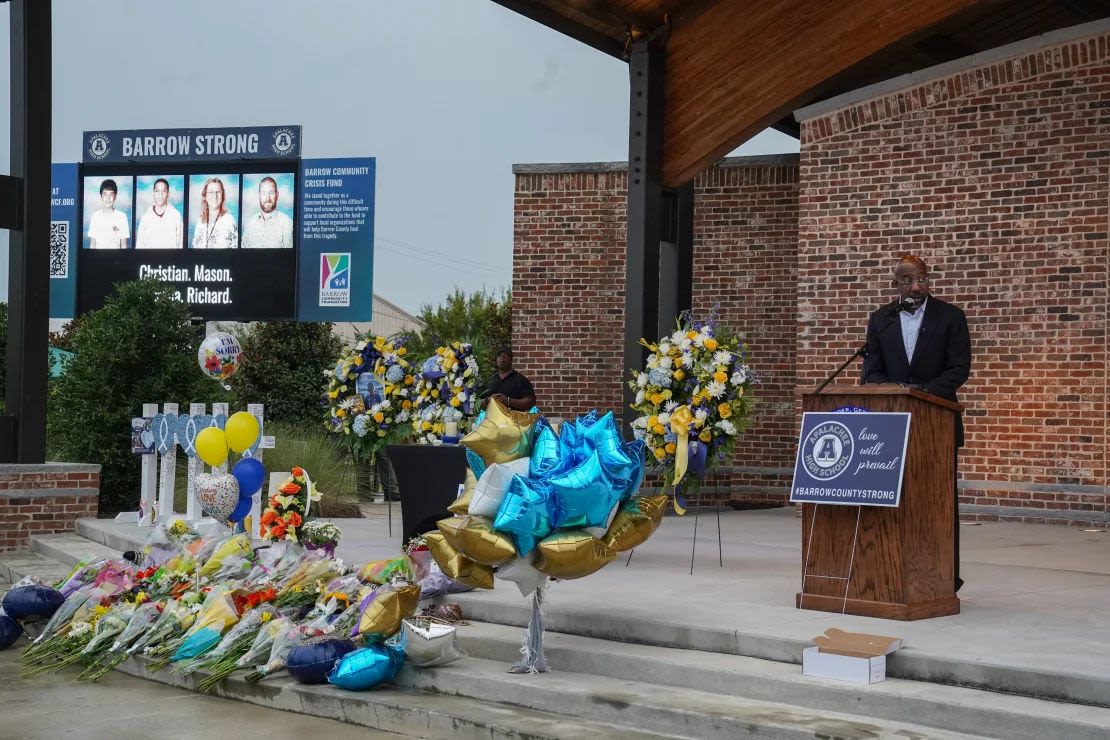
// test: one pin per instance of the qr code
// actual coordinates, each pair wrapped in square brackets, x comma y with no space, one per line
[59,249]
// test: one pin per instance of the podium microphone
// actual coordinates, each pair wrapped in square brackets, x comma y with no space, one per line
[906,305]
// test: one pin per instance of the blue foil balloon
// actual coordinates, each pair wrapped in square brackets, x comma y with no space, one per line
[313,661]
[10,630]
[250,474]
[477,464]
[586,420]
[635,452]
[605,438]
[571,448]
[585,494]
[368,667]
[32,602]
[527,513]
[545,451]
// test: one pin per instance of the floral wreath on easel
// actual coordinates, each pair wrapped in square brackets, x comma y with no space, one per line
[288,507]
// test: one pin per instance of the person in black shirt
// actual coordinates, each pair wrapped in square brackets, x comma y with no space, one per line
[512,389]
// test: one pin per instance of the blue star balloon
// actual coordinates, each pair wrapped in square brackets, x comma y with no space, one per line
[367,667]
[527,513]
[585,494]
[586,420]
[604,437]
[635,452]
[545,451]
[477,464]
[571,448]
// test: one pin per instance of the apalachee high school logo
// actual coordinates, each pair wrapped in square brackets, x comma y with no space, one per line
[99,146]
[827,450]
[283,142]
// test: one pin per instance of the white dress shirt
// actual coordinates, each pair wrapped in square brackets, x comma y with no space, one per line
[160,232]
[911,327]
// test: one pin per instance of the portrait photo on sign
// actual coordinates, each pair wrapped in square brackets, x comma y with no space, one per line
[107,202]
[159,204]
[268,206]
[214,211]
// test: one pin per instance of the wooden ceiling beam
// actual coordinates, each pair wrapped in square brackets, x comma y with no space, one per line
[736,67]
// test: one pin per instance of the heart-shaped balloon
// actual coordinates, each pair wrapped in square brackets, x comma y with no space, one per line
[218,495]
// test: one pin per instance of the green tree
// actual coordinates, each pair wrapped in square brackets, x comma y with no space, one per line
[139,348]
[479,318]
[497,333]
[282,367]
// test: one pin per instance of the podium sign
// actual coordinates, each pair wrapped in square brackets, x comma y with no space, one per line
[855,459]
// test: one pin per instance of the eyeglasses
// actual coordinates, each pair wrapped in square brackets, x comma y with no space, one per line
[908,281]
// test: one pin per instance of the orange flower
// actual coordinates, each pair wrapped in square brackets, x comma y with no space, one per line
[278,530]
[293,519]
[268,516]
[298,472]
[291,488]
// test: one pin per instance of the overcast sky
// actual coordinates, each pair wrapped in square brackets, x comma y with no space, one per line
[446,94]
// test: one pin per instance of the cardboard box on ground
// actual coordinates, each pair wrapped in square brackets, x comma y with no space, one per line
[849,656]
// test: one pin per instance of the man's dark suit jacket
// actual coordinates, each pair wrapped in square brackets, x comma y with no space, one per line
[941,358]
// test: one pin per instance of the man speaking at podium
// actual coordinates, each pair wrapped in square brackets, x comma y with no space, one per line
[923,342]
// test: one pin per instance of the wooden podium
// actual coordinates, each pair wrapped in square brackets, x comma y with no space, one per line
[901,566]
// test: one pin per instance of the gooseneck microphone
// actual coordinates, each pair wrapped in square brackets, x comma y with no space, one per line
[906,305]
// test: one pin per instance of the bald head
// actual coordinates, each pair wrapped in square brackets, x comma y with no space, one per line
[911,279]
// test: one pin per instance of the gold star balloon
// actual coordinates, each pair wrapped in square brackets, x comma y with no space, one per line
[388,607]
[503,435]
[475,538]
[635,522]
[572,553]
[462,503]
[457,566]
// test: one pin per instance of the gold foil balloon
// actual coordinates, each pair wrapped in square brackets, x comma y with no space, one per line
[475,538]
[457,566]
[635,522]
[503,435]
[572,553]
[462,503]
[385,609]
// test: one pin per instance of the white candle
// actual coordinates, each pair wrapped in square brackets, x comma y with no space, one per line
[451,428]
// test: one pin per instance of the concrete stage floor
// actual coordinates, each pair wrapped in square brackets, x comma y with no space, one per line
[1034,620]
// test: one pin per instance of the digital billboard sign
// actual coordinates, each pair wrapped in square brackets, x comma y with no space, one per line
[235,220]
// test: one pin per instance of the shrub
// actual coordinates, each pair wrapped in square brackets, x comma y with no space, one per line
[139,348]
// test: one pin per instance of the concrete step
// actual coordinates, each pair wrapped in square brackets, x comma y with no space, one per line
[100,531]
[950,708]
[20,563]
[910,663]
[408,712]
[664,709]
[69,549]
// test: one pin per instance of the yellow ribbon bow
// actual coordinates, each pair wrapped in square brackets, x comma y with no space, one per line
[681,418]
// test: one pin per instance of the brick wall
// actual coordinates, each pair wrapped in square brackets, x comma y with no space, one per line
[568,294]
[997,176]
[44,499]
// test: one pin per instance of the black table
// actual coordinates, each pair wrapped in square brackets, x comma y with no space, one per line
[428,478]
